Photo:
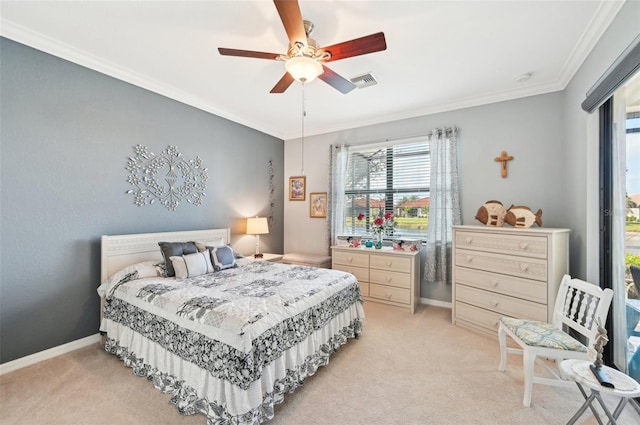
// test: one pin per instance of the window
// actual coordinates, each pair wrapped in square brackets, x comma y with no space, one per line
[388,178]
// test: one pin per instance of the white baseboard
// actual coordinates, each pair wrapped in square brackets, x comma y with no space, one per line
[48,354]
[435,303]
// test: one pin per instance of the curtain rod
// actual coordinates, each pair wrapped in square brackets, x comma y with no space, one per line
[403,139]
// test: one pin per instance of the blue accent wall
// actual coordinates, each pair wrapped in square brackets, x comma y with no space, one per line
[65,135]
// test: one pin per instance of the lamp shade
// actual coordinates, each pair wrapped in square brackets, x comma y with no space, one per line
[303,68]
[257,226]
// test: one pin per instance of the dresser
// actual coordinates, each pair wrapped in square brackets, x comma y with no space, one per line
[385,275]
[505,271]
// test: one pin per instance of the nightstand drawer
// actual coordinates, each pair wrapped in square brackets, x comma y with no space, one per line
[359,259]
[529,246]
[390,262]
[400,280]
[501,303]
[532,290]
[360,273]
[388,293]
[530,268]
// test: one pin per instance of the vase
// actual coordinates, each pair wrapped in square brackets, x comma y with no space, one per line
[378,244]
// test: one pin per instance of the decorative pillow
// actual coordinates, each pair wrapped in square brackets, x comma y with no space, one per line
[202,246]
[175,249]
[191,265]
[223,257]
[134,271]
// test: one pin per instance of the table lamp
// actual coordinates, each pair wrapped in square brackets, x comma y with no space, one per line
[257,226]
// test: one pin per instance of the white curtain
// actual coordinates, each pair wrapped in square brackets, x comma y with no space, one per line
[619,168]
[337,178]
[444,203]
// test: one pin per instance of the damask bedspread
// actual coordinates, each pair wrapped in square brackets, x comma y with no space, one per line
[230,344]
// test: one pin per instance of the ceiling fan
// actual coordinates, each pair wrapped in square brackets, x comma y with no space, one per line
[304,60]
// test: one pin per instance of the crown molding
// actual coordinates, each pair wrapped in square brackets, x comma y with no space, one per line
[604,16]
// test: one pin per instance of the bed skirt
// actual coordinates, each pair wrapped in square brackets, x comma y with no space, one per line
[195,390]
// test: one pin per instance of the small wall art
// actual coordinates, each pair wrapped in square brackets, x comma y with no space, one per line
[318,205]
[297,188]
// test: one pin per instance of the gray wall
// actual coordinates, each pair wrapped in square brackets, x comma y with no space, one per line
[531,129]
[65,137]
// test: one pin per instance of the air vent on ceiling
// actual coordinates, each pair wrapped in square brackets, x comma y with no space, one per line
[364,80]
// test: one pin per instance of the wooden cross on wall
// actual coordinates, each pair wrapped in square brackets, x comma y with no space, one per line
[504,158]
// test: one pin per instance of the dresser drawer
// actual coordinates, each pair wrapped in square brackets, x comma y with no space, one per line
[360,273]
[501,304]
[400,280]
[389,293]
[478,316]
[530,268]
[390,262]
[528,246]
[349,258]
[532,290]
[364,288]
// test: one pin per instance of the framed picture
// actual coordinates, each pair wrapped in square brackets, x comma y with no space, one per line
[297,188]
[318,205]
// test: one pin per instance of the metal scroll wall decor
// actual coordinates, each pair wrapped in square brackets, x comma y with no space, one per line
[168,178]
[272,190]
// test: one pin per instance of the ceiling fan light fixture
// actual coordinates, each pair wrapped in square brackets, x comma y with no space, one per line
[303,68]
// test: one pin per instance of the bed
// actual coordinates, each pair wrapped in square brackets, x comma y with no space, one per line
[230,343]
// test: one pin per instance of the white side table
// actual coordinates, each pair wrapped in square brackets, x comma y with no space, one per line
[274,258]
[625,387]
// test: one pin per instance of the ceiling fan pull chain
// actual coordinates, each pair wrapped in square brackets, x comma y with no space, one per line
[304,114]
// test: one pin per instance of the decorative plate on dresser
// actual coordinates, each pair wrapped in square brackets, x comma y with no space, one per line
[504,271]
[385,275]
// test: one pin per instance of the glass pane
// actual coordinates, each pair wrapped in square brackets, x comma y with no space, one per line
[627,289]
[392,179]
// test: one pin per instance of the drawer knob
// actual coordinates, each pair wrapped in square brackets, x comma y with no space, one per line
[389,279]
[494,283]
[389,263]
[524,267]
[388,296]
[494,303]
[469,258]
[524,245]
[350,259]
[469,240]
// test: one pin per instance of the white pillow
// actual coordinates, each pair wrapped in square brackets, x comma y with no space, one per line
[191,265]
[202,246]
[134,271]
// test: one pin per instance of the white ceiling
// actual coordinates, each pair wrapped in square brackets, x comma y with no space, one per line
[440,55]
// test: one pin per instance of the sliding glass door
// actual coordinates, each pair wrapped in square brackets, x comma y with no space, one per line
[620,172]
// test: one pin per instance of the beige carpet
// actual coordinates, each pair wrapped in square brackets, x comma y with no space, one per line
[405,369]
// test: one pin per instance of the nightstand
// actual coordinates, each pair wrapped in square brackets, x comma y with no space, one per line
[274,258]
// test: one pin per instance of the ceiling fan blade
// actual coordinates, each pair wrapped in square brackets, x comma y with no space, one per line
[336,81]
[291,18]
[283,84]
[356,47]
[248,53]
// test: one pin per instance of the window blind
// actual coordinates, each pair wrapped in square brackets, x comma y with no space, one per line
[392,178]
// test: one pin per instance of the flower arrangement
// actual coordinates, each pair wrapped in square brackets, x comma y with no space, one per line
[381,225]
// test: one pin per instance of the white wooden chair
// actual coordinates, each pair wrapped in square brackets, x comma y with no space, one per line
[579,307]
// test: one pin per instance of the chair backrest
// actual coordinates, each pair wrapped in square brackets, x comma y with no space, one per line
[581,306]
[635,275]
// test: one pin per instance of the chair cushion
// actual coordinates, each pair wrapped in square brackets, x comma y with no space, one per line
[542,334]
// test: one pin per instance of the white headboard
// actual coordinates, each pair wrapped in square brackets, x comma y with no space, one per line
[120,251]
